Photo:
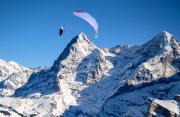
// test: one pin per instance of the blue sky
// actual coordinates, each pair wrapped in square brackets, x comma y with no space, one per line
[29,28]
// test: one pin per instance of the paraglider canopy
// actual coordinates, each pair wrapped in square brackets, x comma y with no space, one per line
[61,31]
[88,18]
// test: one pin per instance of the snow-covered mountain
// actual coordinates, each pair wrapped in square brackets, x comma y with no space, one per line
[89,81]
[12,77]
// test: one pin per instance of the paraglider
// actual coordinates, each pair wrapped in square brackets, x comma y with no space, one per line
[88,18]
[61,31]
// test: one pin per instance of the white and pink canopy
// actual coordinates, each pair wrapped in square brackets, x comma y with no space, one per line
[88,18]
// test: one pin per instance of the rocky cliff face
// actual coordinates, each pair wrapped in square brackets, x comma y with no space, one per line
[89,81]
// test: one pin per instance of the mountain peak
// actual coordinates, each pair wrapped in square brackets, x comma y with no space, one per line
[83,38]
[82,34]
[80,45]
[164,36]
[166,33]
[80,39]
[162,39]
[163,42]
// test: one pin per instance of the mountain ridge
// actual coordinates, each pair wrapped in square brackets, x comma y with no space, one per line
[89,81]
